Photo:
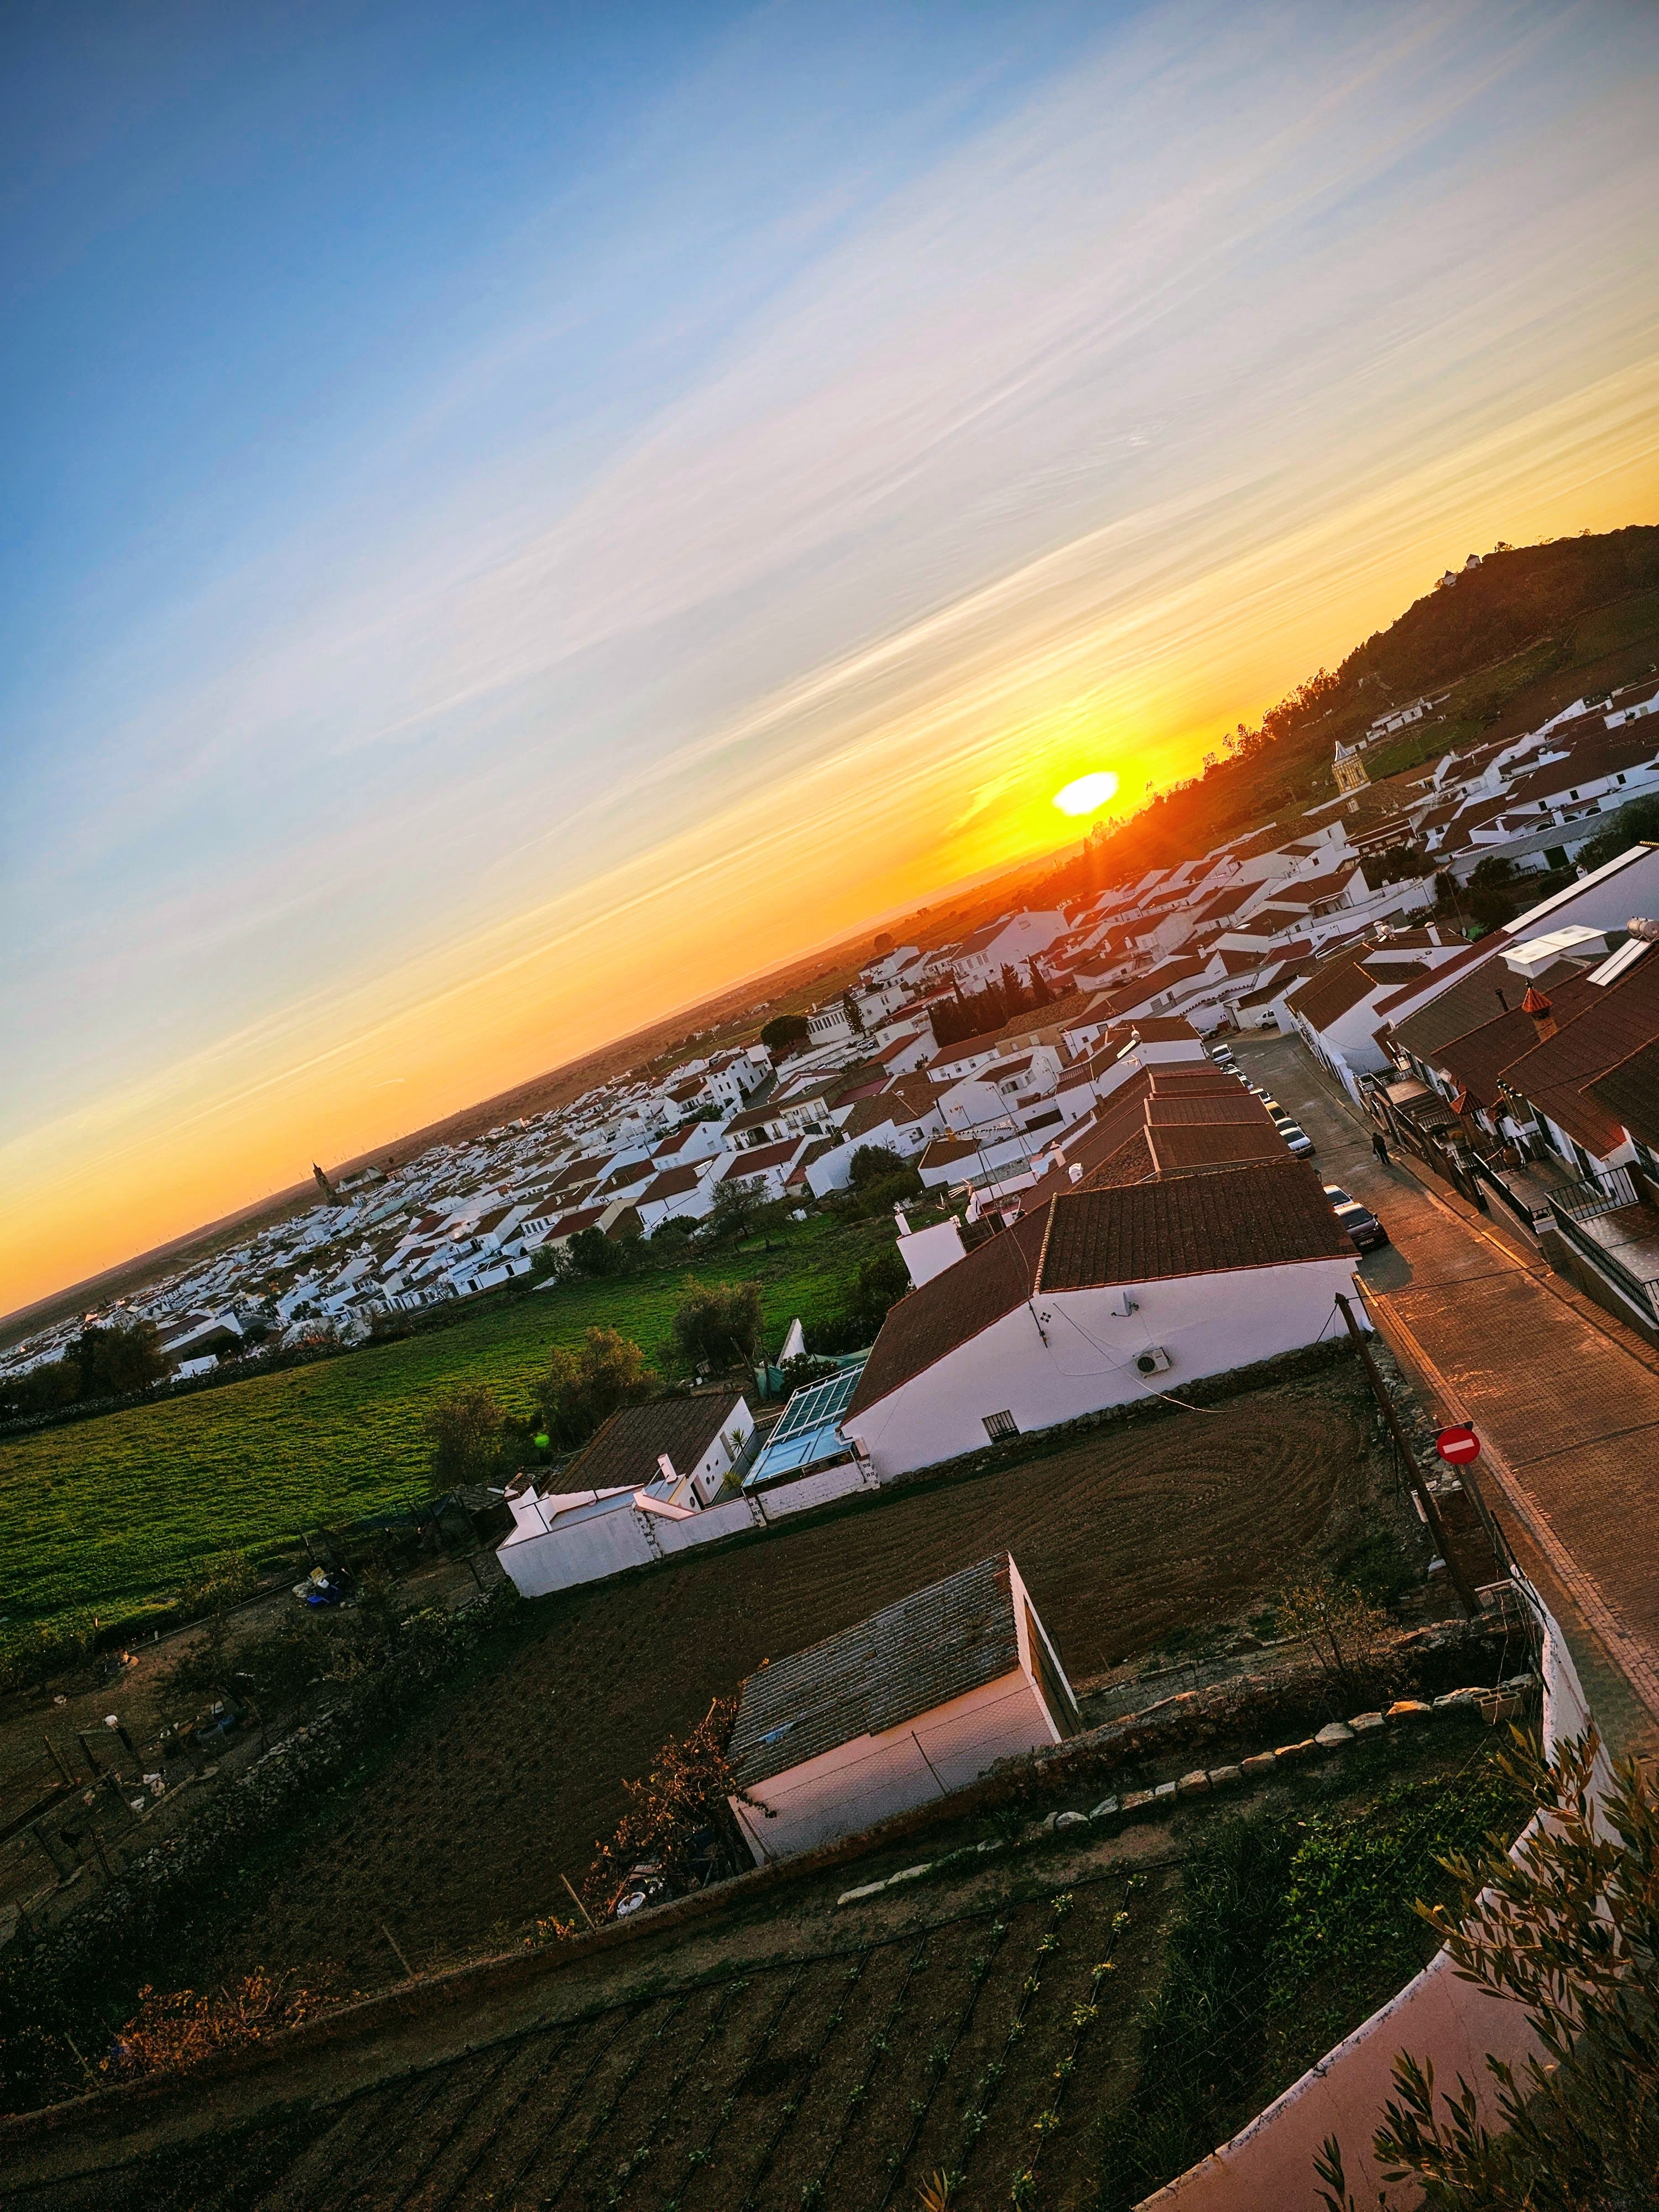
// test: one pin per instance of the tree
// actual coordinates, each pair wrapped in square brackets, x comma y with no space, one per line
[120,1360]
[785,1034]
[737,1201]
[1635,821]
[591,1252]
[467,1428]
[855,1019]
[717,1325]
[583,1386]
[870,1163]
[1568,1928]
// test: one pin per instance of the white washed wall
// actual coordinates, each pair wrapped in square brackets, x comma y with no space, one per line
[1209,1324]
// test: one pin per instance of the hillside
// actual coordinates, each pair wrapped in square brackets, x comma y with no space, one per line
[1515,640]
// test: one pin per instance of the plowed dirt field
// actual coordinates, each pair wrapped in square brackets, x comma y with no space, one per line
[506,1784]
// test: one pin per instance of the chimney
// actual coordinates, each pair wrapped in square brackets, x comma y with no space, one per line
[1537,1006]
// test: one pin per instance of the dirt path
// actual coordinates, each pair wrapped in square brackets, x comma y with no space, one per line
[1565,1401]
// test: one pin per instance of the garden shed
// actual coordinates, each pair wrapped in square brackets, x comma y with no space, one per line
[920,1699]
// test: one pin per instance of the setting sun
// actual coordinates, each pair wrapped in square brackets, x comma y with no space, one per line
[1087,794]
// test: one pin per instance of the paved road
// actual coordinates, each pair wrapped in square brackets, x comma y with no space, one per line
[1567,1401]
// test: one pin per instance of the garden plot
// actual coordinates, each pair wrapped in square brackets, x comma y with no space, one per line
[459,1835]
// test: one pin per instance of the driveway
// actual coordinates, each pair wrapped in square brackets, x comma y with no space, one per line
[1565,1401]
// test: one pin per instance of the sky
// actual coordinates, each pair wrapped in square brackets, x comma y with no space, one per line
[511,517]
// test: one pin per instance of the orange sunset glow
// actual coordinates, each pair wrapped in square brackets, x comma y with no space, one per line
[508,718]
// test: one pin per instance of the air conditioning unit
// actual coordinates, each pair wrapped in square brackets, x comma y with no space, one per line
[1153,1361]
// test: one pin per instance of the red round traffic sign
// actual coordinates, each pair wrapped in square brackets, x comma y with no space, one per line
[1458,1446]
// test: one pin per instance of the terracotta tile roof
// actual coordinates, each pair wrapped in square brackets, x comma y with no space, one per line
[1190,1151]
[1271,1213]
[1267,1215]
[624,1452]
[672,1183]
[1164,1029]
[1620,1021]
[758,1158]
[952,1308]
[1473,997]
[1479,1057]
[1205,1110]
[1630,1091]
[1470,957]
[1132,1162]
[1332,991]
[1169,977]
[936,1645]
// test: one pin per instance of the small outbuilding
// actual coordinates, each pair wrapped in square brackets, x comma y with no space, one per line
[920,1699]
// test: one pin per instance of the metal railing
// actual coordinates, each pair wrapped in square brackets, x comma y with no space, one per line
[1643,1294]
[1610,1190]
[1530,1217]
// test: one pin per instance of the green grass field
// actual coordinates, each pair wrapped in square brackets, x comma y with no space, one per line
[102,1515]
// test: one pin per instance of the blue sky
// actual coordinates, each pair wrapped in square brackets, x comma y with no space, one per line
[513,516]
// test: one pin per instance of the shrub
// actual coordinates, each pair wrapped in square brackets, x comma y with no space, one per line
[672,1813]
[1349,1637]
[1568,1928]
[467,1428]
[581,1389]
[30,1656]
[872,1162]
[591,1252]
[718,1326]
[180,2029]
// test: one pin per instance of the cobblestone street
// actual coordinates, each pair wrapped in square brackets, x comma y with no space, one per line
[1566,1402]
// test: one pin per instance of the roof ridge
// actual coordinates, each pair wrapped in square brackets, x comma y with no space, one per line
[1047,1231]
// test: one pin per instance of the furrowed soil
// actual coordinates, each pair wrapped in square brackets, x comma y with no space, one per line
[456,1837]
[991,2023]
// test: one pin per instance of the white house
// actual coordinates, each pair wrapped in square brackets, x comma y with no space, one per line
[920,1699]
[1093,1300]
[1013,941]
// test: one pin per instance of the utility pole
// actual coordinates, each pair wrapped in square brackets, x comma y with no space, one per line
[1420,1489]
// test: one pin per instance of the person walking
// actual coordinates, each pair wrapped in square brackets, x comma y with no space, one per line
[1379,1146]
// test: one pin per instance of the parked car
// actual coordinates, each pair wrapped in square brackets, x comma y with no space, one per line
[1361,1223]
[1292,1130]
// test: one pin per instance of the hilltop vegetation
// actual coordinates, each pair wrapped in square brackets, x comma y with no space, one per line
[1515,640]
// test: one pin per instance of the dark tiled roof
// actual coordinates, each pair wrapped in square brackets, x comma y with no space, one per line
[1618,1021]
[1331,991]
[1478,1058]
[1631,1091]
[937,1644]
[1472,999]
[625,1449]
[1260,1216]
[672,1183]
[955,1306]
[1215,1144]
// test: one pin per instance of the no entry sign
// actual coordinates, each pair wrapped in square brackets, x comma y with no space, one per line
[1458,1446]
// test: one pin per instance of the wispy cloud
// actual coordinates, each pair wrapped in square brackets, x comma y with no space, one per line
[1084,418]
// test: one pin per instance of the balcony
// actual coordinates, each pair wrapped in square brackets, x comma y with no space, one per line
[1617,1232]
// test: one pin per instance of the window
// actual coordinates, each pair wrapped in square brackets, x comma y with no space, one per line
[998,1425]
